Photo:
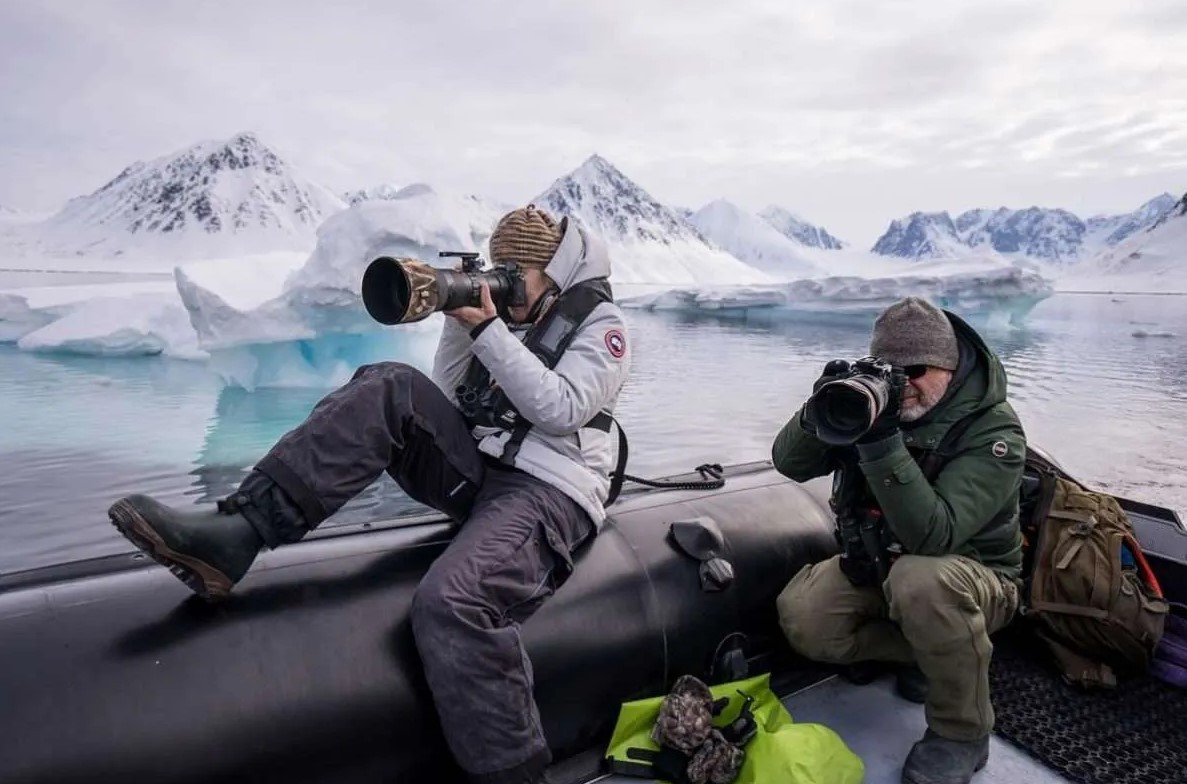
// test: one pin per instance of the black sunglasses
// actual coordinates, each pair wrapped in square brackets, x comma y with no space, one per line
[914,371]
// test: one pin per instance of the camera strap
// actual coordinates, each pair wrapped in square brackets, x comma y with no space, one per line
[933,460]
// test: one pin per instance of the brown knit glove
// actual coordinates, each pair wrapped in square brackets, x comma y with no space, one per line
[685,717]
[717,761]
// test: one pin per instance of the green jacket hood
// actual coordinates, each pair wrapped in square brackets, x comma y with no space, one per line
[979,383]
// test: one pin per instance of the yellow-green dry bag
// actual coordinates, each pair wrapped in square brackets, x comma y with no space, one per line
[781,750]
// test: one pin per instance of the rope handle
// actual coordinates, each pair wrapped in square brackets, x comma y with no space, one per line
[706,470]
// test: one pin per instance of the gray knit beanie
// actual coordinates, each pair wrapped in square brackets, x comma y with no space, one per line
[915,332]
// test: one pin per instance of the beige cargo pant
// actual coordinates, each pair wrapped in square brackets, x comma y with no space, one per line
[937,612]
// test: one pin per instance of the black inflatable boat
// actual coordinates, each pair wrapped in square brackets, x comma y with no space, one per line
[111,671]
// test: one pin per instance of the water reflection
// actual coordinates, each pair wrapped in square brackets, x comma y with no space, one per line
[76,432]
[245,425]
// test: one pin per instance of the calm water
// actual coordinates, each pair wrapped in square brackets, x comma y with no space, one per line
[77,432]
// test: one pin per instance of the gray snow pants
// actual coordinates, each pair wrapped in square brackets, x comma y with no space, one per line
[512,552]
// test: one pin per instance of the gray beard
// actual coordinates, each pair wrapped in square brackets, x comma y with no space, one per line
[914,410]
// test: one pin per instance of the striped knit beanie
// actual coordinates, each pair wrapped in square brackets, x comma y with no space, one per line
[528,236]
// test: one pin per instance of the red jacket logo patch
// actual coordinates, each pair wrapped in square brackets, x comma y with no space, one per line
[616,343]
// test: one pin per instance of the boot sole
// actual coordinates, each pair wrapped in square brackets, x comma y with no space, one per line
[199,576]
[909,779]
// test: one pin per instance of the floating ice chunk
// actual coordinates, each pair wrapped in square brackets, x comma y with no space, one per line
[120,326]
[323,362]
[17,319]
[980,292]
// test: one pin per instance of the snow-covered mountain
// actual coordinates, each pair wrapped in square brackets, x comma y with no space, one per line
[1050,235]
[211,199]
[1177,211]
[930,235]
[752,239]
[1054,235]
[375,193]
[1113,229]
[648,242]
[1152,259]
[796,228]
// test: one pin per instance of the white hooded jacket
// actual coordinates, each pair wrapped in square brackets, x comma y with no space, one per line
[559,449]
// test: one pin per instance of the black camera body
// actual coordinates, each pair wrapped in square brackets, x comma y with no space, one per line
[403,290]
[869,366]
[845,407]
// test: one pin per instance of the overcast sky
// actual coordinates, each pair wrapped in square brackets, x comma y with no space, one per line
[849,112]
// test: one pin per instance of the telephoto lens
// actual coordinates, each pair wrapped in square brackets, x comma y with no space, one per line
[403,290]
[844,409]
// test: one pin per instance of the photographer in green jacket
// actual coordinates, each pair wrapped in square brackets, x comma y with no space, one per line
[926,499]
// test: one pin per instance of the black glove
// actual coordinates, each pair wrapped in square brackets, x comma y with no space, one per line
[832,371]
[887,423]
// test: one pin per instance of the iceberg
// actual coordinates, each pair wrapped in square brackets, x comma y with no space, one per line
[126,319]
[980,292]
[18,319]
[133,325]
[270,319]
[279,321]
[283,297]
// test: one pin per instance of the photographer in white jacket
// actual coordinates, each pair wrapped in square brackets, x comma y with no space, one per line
[511,438]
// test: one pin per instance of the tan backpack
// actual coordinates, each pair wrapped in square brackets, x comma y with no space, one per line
[1090,592]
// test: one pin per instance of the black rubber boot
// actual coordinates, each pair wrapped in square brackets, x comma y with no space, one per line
[863,672]
[207,550]
[936,760]
[911,684]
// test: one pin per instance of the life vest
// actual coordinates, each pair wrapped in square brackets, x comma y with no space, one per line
[485,404]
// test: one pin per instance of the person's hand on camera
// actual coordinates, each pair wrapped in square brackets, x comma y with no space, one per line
[470,317]
[887,423]
[832,371]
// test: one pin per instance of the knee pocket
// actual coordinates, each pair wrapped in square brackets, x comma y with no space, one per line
[806,629]
[510,587]
[917,580]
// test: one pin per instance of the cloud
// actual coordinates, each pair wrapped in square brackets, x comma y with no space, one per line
[941,105]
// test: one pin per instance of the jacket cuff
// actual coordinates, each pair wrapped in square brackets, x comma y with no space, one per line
[492,340]
[474,333]
[880,457]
